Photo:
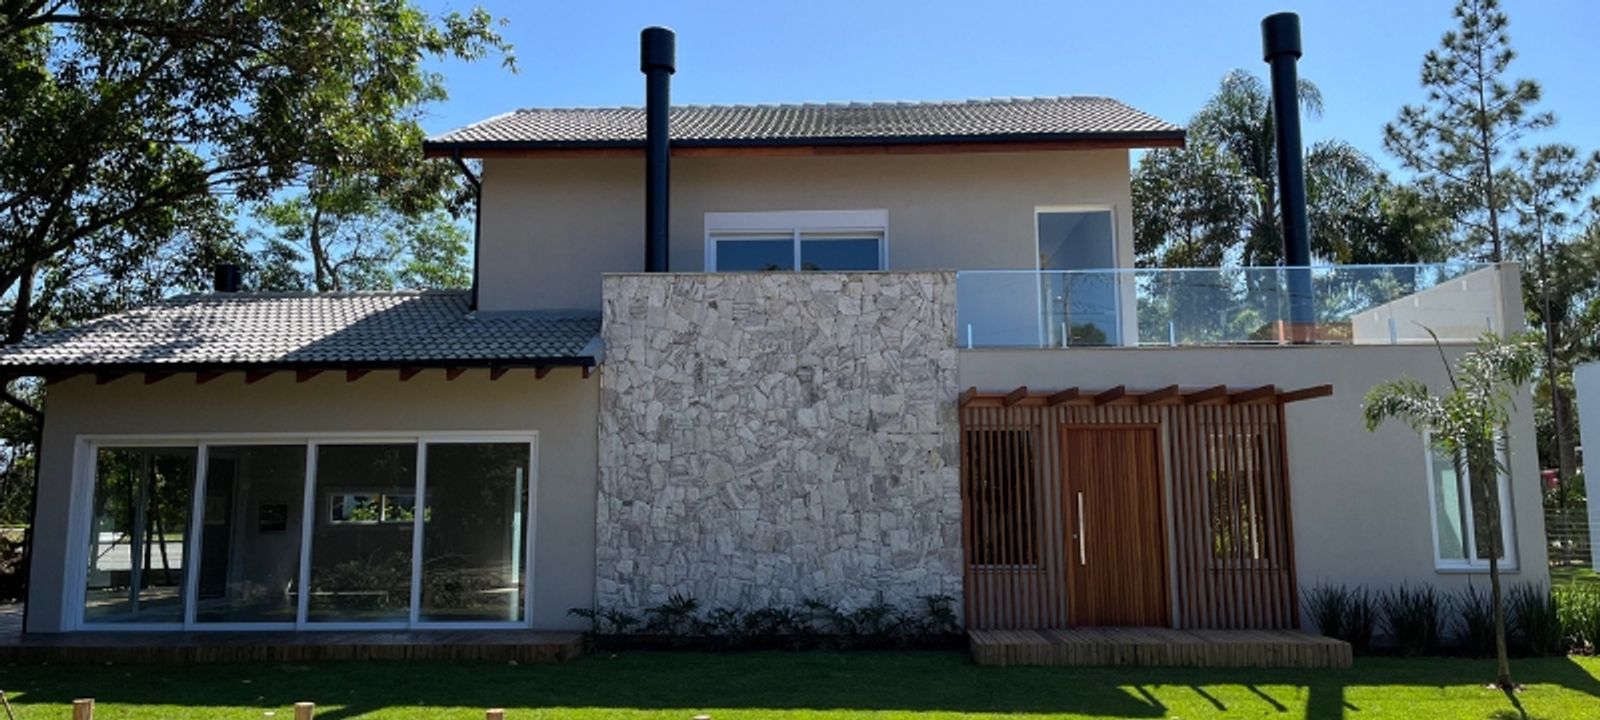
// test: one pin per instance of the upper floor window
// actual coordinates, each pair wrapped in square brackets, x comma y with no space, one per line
[826,240]
[1461,521]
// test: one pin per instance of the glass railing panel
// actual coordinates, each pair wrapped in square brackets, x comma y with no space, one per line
[1225,306]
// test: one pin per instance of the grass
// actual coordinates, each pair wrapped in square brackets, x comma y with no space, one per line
[814,686]
[1571,574]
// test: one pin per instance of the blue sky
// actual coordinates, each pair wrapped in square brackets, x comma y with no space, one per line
[1162,56]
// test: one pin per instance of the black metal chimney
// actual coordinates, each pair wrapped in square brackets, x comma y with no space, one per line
[225,278]
[657,60]
[1280,46]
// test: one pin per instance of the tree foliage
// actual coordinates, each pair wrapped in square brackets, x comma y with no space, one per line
[1468,424]
[1460,140]
[1215,201]
[344,233]
[176,109]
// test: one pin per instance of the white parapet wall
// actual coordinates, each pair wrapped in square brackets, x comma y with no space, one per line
[769,438]
[1462,308]
[1587,379]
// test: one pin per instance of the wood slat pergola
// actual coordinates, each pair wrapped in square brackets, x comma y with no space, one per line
[1120,395]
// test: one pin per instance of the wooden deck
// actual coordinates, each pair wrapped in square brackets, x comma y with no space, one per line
[522,646]
[1158,647]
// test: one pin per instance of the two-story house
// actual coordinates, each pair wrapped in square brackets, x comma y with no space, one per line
[896,350]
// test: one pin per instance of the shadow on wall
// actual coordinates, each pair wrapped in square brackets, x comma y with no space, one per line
[849,684]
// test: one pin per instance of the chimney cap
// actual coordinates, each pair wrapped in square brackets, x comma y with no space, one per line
[658,49]
[1280,34]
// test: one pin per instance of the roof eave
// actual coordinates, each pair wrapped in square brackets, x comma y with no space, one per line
[1019,142]
[58,370]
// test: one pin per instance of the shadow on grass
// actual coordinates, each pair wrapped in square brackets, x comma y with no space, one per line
[909,681]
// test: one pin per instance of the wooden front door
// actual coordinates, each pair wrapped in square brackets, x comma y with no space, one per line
[1116,530]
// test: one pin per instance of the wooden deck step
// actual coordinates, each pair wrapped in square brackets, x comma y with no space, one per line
[1158,647]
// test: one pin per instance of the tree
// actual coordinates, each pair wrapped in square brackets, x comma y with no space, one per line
[173,105]
[1193,204]
[1460,140]
[1215,201]
[1359,216]
[1549,184]
[354,235]
[1468,424]
[1238,120]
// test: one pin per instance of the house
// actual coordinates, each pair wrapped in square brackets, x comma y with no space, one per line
[852,352]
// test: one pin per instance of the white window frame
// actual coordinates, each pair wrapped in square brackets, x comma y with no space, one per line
[794,224]
[1508,520]
[87,452]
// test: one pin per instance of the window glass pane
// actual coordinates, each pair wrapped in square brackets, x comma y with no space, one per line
[1080,308]
[137,535]
[361,566]
[1447,504]
[474,533]
[839,254]
[1002,474]
[250,538]
[755,255]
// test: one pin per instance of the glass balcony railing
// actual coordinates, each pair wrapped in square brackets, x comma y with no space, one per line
[1345,304]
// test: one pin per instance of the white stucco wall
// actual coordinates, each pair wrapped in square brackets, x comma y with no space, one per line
[552,226]
[562,408]
[1458,309]
[1587,379]
[1360,499]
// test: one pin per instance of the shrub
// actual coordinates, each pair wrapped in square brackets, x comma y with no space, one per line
[1411,619]
[1474,623]
[813,624]
[1343,612]
[1578,611]
[1326,606]
[1534,620]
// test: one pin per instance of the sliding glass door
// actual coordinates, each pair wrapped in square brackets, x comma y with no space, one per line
[139,522]
[250,533]
[380,533]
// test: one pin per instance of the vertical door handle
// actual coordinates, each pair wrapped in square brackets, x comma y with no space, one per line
[1083,555]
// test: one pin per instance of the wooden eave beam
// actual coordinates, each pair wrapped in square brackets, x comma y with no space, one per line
[205,376]
[104,378]
[541,371]
[301,376]
[587,371]
[497,372]
[453,373]
[967,396]
[1213,394]
[1306,393]
[1111,396]
[354,375]
[1014,397]
[1265,392]
[252,377]
[1062,397]
[151,378]
[406,373]
[1168,394]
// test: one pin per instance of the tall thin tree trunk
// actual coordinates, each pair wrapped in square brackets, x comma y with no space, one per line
[22,307]
[1484,477]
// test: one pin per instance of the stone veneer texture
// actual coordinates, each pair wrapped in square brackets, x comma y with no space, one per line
[767,438]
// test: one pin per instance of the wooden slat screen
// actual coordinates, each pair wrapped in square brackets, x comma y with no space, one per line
[1228,519]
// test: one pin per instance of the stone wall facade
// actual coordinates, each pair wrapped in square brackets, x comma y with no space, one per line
[771,438]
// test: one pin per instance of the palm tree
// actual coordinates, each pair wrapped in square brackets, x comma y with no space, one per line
[1238,120]
[1468,425]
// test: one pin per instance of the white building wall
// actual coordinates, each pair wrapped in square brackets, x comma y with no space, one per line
[1587,379]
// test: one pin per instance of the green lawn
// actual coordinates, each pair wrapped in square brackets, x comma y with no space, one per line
[800,685]
[1563,575]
